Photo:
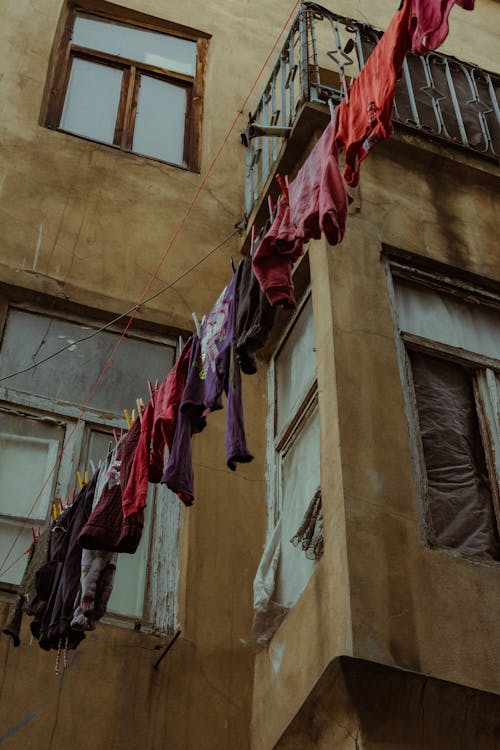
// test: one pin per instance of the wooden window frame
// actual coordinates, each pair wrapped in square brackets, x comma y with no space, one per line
[162,586]
[464,287]
[64,53]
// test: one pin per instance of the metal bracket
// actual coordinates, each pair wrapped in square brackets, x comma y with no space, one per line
[254,130]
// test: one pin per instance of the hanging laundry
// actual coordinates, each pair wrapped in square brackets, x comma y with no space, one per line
[106,528]
[254,318]
[27,590]
[96,584]
[365,119]
[432,22]
[58,580]
[213,370]
[268,614]
[317,202]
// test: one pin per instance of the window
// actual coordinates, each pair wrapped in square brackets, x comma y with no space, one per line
[293,457]
[38,415]
[450,346]
[136,86]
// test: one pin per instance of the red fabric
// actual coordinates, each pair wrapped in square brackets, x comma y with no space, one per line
[167,401]
[432,22]
[317,202]
[272,262]
[366,119]
[135,492]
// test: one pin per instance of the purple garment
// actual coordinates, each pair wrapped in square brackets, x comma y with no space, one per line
[213,369]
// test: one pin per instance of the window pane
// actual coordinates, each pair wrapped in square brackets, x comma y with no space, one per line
[444,318]
[140,45]
[295,366]
[92,99]
[460,506]
[71,375]
[8,534]
[300,478]
[28,452]
[160,119]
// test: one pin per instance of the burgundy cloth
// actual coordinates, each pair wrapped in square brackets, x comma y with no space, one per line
[213,370]
[432,22]
[317,203]
[107,529]
[272,261]
[365,119]
[135,492]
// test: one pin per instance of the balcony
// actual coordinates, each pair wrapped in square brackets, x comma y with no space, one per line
[438,96]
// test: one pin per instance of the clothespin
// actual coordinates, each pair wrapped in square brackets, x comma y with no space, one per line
[196,324]
[34,535]
[270,205]
[133,415]
[54,511]
[67,501]
[115,433]
[127,419]
[80,480]
[86,477]
[283,186]
[156,384]
[92,466]
[331,107]
[180,344]
[252,240]
[231,263]
[59,500]
[73,494]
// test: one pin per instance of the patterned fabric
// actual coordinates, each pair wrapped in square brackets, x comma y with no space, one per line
[309,536]
[96,585]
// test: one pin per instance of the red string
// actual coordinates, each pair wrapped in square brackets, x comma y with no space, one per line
[156,271]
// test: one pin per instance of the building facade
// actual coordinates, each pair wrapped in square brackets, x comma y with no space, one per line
[379,393]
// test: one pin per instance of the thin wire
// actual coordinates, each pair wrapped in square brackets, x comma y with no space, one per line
[17,560]
[156,271]
[124,314]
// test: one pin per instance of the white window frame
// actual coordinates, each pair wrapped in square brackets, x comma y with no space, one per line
[484,368]
[160,596]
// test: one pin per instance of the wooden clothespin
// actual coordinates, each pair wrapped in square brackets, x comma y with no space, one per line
[54,511]
[270,206]
[127,418]
[252,240]
[80,480]
[133,415]
[115,433]
[86,477]
[92,466]
[61,506]
[196,324]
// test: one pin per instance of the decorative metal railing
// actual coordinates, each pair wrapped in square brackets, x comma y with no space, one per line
[438,95]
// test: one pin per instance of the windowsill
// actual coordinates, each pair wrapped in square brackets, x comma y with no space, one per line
[117,149]
[469,559]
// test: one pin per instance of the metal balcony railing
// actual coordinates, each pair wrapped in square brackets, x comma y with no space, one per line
[438,95]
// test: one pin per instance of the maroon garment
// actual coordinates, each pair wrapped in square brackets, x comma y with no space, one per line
[272,261]
[366,119]
[107,529]
[135,491]
[167,401]
[432,22]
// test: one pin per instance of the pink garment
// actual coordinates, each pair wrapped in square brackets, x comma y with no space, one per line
[317,202]
[432,22]
[366,119]
[317,196]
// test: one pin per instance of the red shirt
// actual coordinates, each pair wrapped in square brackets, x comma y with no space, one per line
[366,118]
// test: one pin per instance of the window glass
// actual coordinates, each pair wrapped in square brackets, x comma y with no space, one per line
[160,119]
[300,478]
[295,366]
[92,98]
[140,45]
[444,318]
[71,375]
